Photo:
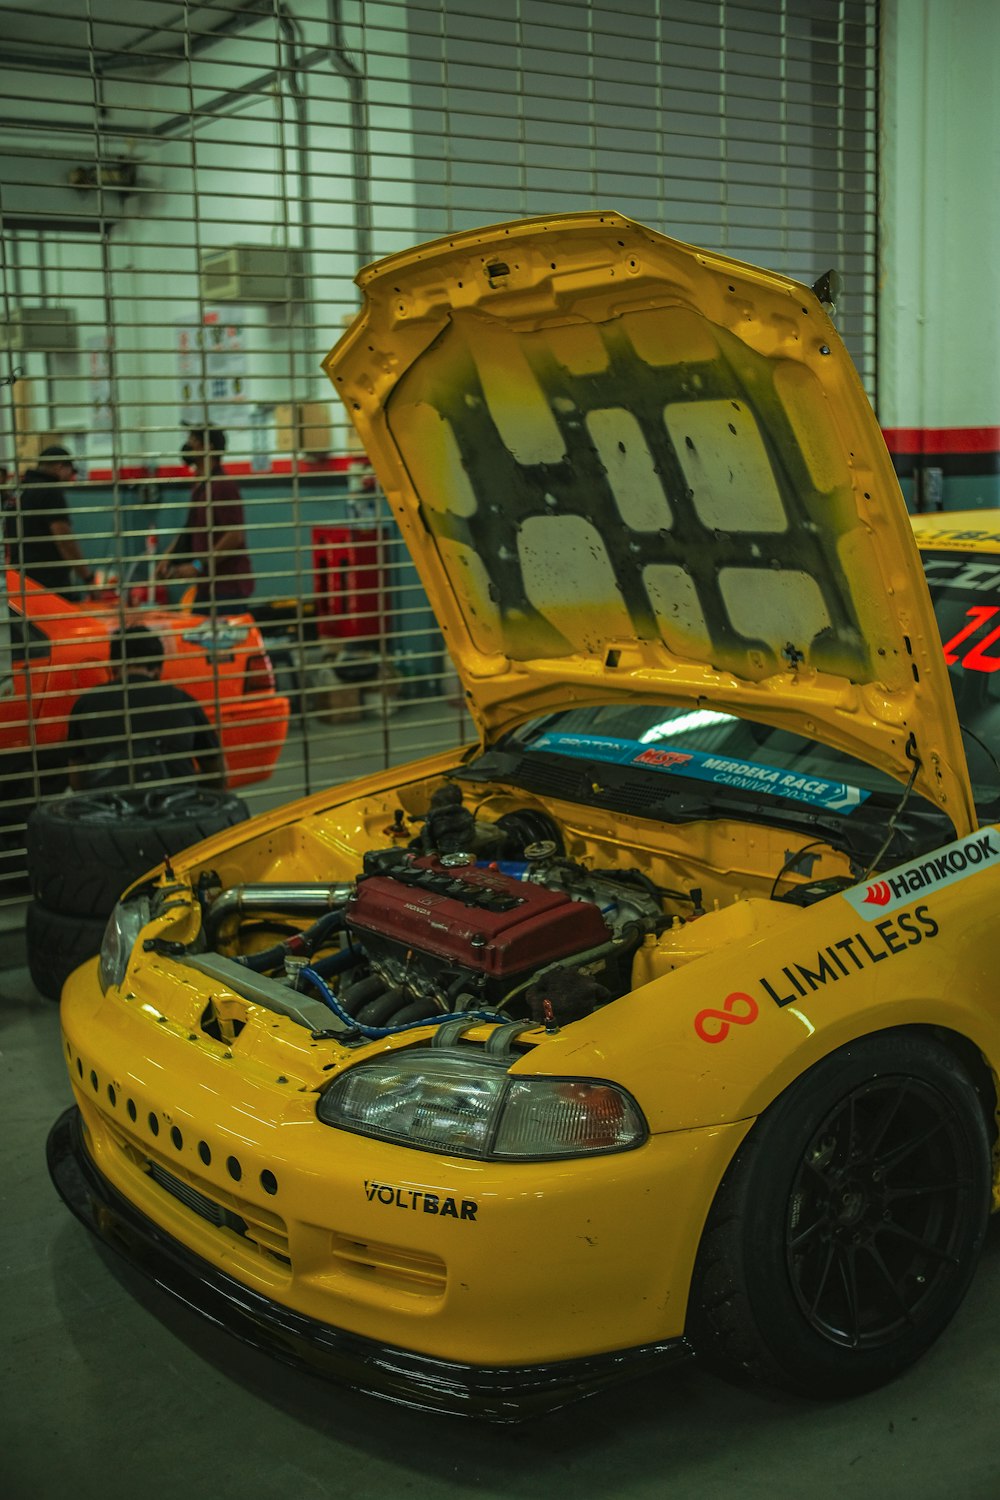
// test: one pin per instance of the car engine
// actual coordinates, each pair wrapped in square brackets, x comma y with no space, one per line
[506,924]
[440,929]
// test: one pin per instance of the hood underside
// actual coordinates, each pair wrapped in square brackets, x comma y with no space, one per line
[628,468]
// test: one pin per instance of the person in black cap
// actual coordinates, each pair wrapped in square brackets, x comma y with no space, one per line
[43,545]
[137,729]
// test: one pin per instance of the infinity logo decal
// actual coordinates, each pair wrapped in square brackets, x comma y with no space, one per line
[727,1017]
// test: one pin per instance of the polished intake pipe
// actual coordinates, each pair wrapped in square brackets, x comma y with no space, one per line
[279,899]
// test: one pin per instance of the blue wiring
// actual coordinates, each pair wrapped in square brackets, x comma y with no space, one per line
[374,1032]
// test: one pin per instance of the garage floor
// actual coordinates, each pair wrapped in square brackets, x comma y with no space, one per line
[110,1389]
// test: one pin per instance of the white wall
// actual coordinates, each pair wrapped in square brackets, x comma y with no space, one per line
[939,362]
[750,134]
[233,176]
[226,172]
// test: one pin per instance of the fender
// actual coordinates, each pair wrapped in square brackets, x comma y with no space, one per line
[719,1038]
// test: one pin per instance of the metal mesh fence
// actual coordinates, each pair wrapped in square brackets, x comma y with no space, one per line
[186,193]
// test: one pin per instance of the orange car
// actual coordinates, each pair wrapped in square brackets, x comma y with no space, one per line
[51,650]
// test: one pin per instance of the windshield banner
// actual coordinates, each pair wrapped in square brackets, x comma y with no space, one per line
[721,770]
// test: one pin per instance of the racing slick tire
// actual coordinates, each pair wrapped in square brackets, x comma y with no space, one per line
[57,944]
[847,1228]
[84,850]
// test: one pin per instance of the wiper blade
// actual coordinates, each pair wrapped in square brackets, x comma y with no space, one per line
[674,806]
[491,765]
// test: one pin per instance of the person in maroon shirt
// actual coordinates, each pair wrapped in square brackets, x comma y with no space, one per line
[212,545]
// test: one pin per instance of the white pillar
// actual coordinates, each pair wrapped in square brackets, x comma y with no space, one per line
[939,308]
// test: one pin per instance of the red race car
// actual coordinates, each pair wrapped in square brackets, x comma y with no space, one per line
[51,650]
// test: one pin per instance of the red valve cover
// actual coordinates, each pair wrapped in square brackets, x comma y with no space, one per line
[431,917]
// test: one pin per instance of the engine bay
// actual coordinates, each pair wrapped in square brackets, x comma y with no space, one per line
[504,910]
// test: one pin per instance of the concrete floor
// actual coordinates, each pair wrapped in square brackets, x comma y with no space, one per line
[110,1389]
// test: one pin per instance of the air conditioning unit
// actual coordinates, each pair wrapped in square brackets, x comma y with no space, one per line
[252,273]
[39,329]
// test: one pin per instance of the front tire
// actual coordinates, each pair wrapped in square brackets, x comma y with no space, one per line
[847,1229]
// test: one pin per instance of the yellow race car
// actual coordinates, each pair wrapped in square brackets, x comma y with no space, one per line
[664,1017]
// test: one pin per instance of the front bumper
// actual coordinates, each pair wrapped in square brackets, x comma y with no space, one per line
[497,1393]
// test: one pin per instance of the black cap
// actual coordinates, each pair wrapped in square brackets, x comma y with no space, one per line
[56,454]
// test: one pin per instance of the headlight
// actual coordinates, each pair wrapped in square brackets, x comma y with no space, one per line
[470,1105]
[124,926]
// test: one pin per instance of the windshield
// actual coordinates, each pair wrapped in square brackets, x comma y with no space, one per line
[715,748]
[681,765]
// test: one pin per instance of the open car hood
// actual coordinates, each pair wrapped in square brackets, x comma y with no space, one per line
[628,468]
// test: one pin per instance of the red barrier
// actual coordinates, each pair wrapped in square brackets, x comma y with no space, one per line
[349,576]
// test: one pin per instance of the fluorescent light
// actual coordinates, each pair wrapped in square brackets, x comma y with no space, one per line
[699,718]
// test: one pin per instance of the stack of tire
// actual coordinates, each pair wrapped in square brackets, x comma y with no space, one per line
[82,853]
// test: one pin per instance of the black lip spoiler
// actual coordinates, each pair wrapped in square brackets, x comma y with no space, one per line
[494,1393]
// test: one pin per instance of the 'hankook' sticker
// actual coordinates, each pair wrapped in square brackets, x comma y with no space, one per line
[898,887]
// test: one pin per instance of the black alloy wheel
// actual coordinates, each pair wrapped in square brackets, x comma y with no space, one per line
[848,1226]
[875,1217]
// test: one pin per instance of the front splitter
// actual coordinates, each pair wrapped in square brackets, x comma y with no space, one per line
[496,1393]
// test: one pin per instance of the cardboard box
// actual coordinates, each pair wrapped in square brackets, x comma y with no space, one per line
[340,705]
[28,445]
[326,696]
[303,427]
[24,415]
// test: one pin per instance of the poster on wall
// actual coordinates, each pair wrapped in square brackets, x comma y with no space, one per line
[98,347]
[212,370]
